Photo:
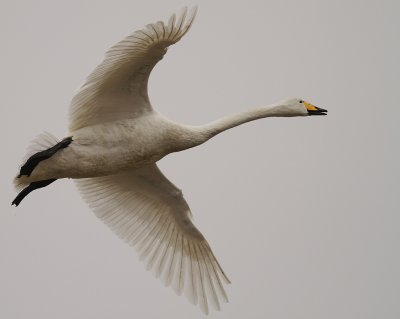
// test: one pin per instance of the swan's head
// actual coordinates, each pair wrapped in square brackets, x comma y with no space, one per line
[299,107]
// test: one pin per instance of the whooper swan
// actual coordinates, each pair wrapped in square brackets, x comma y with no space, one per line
[115,140]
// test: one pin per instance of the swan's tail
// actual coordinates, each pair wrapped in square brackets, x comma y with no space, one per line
[42,147]
[42,142]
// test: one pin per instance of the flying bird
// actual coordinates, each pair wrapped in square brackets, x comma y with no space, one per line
[115,141]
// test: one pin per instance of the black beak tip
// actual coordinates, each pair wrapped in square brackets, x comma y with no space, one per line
[318,111]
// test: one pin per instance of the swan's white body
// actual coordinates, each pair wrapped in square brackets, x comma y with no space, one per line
[115,146]
[118,138]
[103,149]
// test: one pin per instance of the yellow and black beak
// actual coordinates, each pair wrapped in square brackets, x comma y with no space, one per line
[313,110]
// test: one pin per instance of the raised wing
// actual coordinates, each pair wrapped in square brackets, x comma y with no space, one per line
[117,88]
[146,210]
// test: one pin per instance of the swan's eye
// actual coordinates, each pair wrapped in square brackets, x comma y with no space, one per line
[301,101]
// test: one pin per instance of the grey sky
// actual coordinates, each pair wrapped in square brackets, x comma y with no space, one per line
[302,213]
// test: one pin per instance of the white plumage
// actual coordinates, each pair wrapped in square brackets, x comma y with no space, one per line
[117,137]
[149,212]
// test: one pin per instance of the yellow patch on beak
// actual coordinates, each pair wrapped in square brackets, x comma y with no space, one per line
[310,107]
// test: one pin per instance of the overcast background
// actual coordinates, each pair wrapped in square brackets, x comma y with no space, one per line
[302,213]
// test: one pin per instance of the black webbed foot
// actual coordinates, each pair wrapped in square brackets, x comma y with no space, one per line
[32,186]
[36,158]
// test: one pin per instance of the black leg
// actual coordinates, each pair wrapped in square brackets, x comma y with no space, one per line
[36,158]
[32,186]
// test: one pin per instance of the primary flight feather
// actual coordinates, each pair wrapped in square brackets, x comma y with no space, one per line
[115,140]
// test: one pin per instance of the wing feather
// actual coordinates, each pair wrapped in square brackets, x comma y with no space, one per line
[117,88]
[146,210]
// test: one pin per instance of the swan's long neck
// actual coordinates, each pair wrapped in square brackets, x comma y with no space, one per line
[191,136]
[231,121]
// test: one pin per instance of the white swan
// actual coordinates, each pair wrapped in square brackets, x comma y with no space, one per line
[116,139]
